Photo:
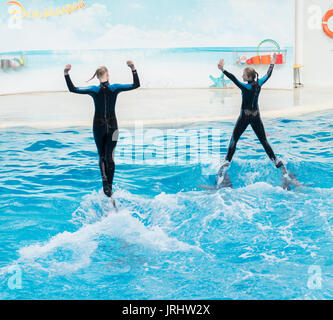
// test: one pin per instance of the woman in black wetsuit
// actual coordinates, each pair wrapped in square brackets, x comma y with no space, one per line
[105,126]
[250,113]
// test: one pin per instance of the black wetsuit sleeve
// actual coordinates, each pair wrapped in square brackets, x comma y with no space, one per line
[128,87]
[234,79]
[72,88]
[267,76]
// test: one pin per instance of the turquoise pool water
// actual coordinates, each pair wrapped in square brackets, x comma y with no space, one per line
[169,239]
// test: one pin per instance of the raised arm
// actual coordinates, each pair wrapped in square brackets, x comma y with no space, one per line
[267,76]
[230,75]
[269,72]
[72,88]
[136,81]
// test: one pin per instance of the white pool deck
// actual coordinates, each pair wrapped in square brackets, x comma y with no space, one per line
[156,107]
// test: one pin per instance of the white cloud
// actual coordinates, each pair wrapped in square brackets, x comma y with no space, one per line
[135,5]
[245,24]
[64,32]
[273,19]
[248,20]
[128,36]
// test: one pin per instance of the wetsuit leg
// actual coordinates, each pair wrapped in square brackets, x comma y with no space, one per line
[110,146]
[241,125]
[258,128]
[100,140]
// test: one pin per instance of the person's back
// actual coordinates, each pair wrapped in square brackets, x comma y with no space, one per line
[250,90]
[105,125]
[105,94]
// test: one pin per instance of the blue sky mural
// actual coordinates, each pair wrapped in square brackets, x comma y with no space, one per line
[150,23]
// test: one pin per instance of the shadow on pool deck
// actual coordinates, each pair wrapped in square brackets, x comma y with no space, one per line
[156,107]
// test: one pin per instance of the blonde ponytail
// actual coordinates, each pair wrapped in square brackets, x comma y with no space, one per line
[99,73]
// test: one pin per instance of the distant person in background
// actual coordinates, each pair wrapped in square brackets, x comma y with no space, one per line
[105,126]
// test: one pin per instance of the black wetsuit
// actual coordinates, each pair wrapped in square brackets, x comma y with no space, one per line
[250,114]
[105,126]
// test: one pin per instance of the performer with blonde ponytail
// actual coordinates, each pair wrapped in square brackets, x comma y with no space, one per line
[250,113]
[105,122]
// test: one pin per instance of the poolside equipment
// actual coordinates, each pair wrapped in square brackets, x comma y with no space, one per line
[266,59]
[271,41]
[242,60]
[256,60]
[326,29]
[297,75]
[5,64]
[15,63]
[11,63]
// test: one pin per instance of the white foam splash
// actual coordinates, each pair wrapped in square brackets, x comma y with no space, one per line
[82,243]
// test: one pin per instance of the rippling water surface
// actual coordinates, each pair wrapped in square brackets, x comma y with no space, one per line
[169,240]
